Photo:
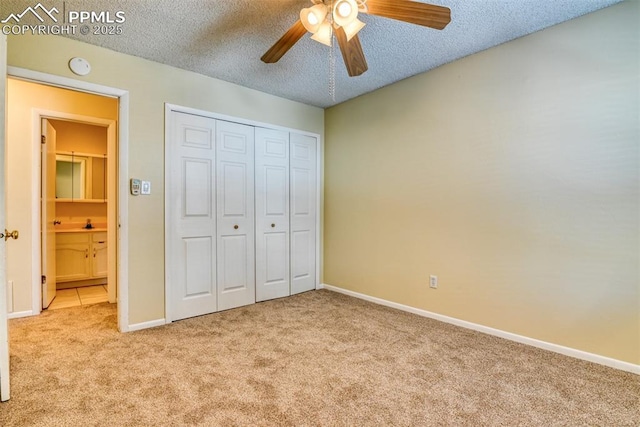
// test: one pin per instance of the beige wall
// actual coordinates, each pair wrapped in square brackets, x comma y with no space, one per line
[150,85]
[511,174]
[22,98]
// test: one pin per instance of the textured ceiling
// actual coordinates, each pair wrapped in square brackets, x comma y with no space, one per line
[225,39]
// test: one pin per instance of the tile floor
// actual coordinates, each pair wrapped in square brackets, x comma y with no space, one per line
[79,296]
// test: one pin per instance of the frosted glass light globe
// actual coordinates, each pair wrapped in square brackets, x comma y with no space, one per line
[344,9]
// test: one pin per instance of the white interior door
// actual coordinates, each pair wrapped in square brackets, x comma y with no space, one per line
[236,228]
[192,216]
[4,330]
[48,202]
[303,213]
[272,214]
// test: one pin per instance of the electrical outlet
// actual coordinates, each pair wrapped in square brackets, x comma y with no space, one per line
[433,282]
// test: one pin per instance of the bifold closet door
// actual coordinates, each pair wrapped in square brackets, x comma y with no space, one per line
[303,212]
[236,219]
[192,267]
[272,214]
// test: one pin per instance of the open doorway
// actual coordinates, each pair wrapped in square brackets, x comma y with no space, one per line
[36,113]
[77,266]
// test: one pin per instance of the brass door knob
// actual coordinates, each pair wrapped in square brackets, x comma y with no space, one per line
[235,227]
[13,235]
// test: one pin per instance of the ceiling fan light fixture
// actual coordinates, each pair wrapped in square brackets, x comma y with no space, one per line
[313,17]
[342,15]
[345,12]
[324,34]
[353,28]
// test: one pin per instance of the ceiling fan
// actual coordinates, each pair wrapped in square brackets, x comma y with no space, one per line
[327,17]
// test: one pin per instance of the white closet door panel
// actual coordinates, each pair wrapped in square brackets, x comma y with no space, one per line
[276,264]
[234,249]
[302,203]
[303,213]
[275,180]
[302,256]
[198,278]
[235,219]
[234,190]
[272,214]
[197,192]
[236,282]
[192,233]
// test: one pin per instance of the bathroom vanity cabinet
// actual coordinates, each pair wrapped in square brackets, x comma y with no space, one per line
[81,256]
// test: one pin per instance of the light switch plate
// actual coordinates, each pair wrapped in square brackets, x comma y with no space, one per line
[146,188]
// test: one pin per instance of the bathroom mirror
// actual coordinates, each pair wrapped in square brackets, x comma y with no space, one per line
[81,178]
[70,177]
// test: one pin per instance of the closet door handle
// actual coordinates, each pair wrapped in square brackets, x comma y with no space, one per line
[273,226]
[235,227]
[86,253]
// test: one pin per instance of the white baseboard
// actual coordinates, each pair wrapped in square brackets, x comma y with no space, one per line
[567,351]
[145,325]
[20,314]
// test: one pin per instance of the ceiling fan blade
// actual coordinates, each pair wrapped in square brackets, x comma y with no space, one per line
[427,15]
[352,53]
[285,43]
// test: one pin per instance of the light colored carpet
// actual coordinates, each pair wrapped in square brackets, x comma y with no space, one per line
[318,358]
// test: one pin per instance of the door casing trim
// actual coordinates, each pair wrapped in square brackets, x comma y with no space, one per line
[112,220]
[122,239]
